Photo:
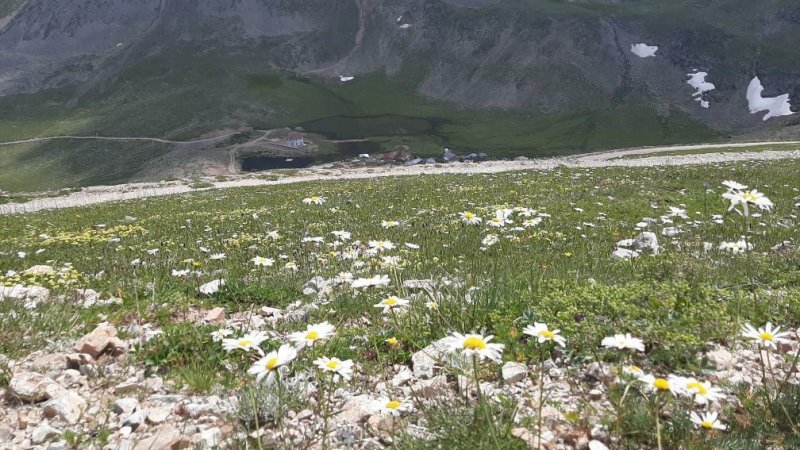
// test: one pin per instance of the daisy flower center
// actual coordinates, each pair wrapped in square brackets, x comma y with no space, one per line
[547,334]
[661,384]
[394,404]
[469,215]
[707,425]
[312,335]
[332,365]
[245,343]
[390,301]
[272,363]
[314,198]
[766,336]
[474,343]
[697,387]
[749,197]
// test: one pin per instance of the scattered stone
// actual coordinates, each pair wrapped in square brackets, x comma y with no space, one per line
[33,387]
[595,394]
[597,445]
[127,387]
[215,316]
[514,372]
[357,409]
[125,406]
[425,360]
[647,241]
[208,438]
[402,377]
[43,433]
[721,358]
[304,414]
[68,407]
[166,437]
[432,388]
[96,342]
[624,253]
[49,362]
[157,416]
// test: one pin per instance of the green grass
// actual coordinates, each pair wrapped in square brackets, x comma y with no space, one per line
[559,272]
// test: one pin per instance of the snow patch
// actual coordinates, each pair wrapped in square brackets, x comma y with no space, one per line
[644,50]
[698,81]
[405,25]
[345,79]
[775,106]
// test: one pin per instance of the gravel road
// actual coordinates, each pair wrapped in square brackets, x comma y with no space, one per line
[102,194]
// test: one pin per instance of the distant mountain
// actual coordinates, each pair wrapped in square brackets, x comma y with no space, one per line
[520,76]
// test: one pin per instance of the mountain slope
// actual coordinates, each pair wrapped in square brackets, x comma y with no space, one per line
[518,76]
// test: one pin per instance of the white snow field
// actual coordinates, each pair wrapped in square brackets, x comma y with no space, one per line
[775,106]
[643,50]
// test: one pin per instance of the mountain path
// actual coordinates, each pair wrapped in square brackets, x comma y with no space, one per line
[614,158]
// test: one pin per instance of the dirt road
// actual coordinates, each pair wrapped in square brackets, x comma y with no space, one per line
[102,194]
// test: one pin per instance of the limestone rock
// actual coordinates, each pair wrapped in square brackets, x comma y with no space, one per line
[514,372]
[43,433]
[68,407]
[425,360]
[96,342]
[33,387]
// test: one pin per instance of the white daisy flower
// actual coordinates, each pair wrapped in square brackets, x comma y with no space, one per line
[476,345]
[313,333]
[272,362]
[708,421]
[543,334]
[250,341]
[393,407]
[766,336]
[314,200]
[339,368]
[263,262]
[622,342]
[470,218]
[392,303]
[219,335]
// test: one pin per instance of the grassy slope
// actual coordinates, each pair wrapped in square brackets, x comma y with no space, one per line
[559,272]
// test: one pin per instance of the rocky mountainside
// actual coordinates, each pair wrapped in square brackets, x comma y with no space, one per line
[169,68]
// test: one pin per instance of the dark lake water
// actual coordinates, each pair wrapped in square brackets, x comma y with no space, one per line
[258,163]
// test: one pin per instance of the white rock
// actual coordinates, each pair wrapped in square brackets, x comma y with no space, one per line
[721,358]
[208,438]
[624,253]
[597,445]
[33,387]
[43,433]
[425,360]
[514,372]
[159,415]
[68,407]
[357,409]
[166,437]
[646,241]
[125,406]
[402,377]
[96,342]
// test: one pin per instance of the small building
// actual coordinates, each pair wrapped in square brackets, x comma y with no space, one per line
[295,140]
